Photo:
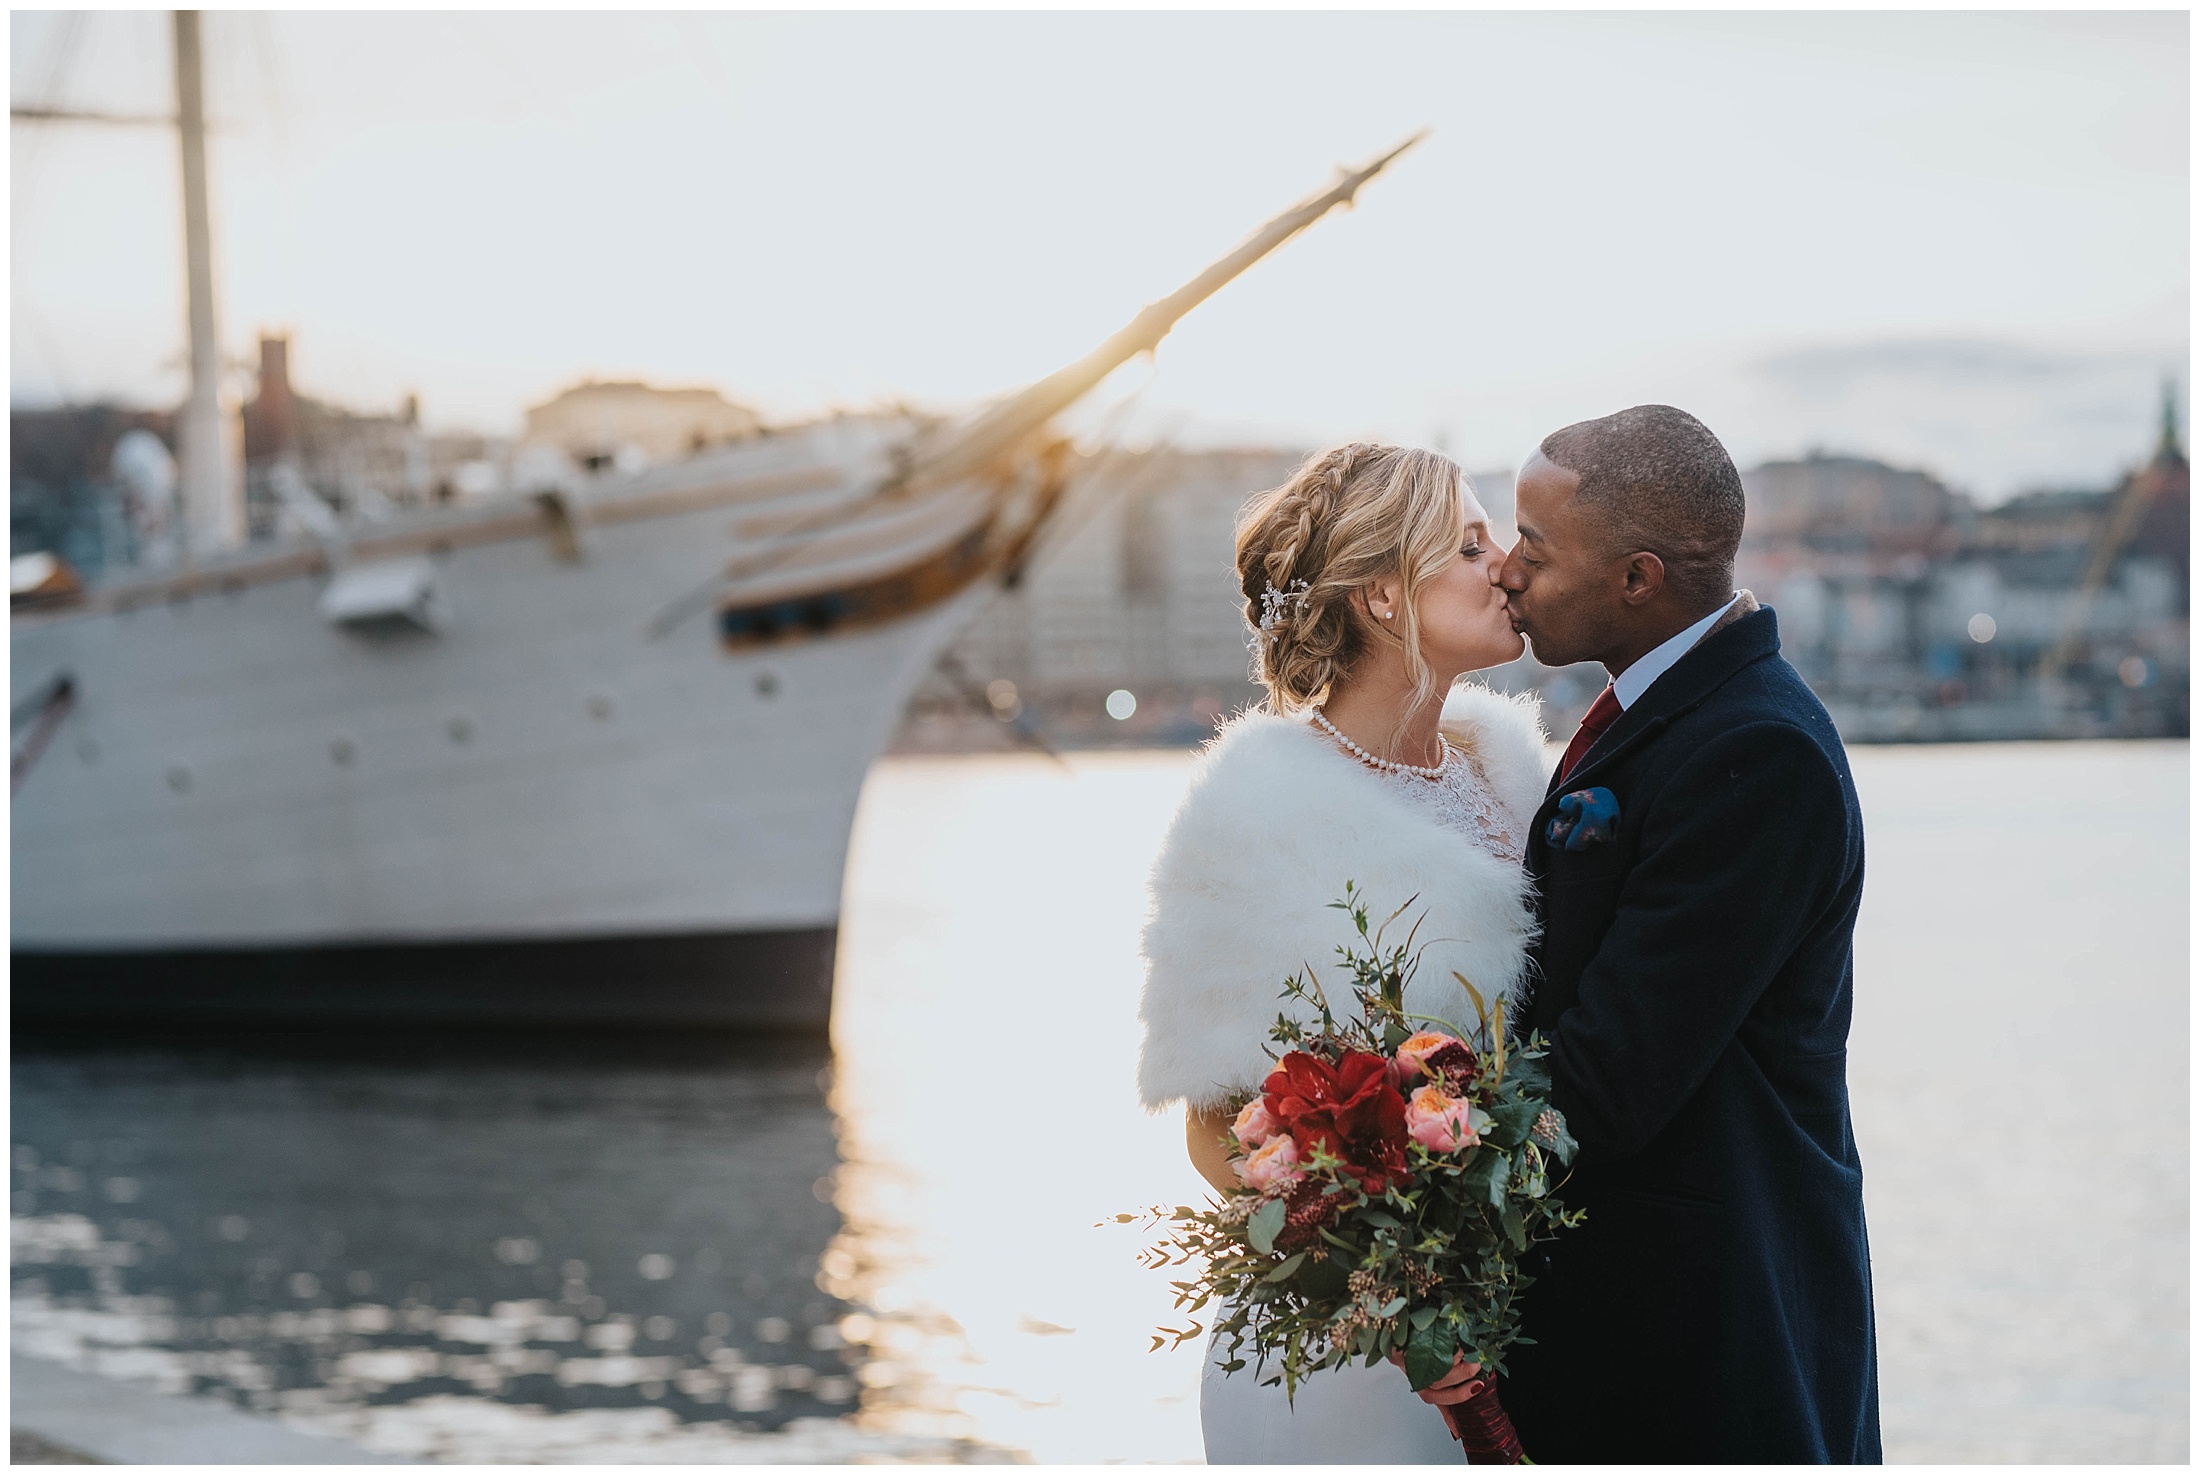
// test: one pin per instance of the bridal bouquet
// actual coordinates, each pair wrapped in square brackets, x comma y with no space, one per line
[1393,1173]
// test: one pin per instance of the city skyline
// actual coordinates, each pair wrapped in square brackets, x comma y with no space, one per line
[1954,242]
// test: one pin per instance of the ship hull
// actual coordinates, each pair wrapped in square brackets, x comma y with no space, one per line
[551,808]
[779,980]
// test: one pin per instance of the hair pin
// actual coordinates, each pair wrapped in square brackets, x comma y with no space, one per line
[1273,602]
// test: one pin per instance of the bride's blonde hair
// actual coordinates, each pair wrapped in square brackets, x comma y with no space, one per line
[1347,517]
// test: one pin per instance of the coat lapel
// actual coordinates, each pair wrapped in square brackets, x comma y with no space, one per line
[1730,646]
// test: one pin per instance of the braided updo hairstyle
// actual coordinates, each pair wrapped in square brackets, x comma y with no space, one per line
[1347,517]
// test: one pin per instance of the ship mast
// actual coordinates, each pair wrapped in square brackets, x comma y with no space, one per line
[211,509]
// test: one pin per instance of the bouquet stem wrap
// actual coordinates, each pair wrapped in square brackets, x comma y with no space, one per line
[1481,1425]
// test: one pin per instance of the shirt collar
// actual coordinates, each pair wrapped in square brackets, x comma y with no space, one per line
[1631,683]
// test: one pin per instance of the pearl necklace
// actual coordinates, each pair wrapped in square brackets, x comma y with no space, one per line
[1385,764]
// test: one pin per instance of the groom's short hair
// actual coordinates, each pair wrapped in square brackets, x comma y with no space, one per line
[1659,480]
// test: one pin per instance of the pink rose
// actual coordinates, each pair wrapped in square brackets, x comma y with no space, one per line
[1440,1121]
[1253,1125]
[1430,1052]
[1274,1168]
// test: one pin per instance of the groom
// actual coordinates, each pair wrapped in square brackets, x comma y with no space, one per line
[1699,859]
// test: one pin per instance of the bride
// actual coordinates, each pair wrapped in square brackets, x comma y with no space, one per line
[1369,576]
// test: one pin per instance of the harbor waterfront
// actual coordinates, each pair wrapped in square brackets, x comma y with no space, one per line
[703,1247]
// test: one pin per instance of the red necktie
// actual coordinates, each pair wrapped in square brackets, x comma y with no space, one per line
[1602,713]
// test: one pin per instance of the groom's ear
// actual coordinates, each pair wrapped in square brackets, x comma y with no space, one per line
[1644,575]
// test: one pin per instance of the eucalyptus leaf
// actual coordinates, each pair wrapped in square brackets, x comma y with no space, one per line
[1512,1121]
[1428,1355]
[1485,1174]
[1267,1222]
[1530,1074]
[1500,1170]
[1565,1147]
[1287,1269]
[1422,1317]
[1321,1280]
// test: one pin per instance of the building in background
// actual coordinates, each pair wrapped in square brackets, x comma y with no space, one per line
[354,461]
[1916,615]
[632,425]
[1128,627]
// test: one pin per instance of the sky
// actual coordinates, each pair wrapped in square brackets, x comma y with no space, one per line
[1956,241]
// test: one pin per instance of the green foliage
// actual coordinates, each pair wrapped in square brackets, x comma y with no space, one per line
[1429,1271]
[1267,1222]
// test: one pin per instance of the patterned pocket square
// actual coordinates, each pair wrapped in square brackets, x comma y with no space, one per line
[1585,817]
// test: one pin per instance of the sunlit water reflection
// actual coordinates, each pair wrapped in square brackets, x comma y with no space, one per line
[658,1251]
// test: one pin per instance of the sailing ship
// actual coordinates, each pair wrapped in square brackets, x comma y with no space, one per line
[586,753]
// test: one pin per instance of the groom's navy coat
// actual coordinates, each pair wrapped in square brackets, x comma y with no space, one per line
[1694,981]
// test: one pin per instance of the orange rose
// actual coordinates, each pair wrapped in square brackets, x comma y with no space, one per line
[1274,1168]
[1440,1121]
[1432,1053]
[1253,1125]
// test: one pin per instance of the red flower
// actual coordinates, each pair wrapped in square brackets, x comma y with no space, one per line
[1306,1212]
[1350,1110]
[1454,1060]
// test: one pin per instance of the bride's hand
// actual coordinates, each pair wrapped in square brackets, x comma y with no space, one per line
[1456,1386]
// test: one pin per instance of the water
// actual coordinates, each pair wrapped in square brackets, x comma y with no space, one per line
[665,1249]
[379,1241]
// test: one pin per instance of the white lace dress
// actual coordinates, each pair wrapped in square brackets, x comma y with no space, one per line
[1355,1415]
[1462,800]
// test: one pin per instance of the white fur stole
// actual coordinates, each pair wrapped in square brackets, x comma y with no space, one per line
[1275,821]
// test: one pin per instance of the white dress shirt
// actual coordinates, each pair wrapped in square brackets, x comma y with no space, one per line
[1631,683]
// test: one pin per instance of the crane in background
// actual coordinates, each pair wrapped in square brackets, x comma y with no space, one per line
[2140,493]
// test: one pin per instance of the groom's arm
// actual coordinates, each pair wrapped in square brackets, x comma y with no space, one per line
[1744,847]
